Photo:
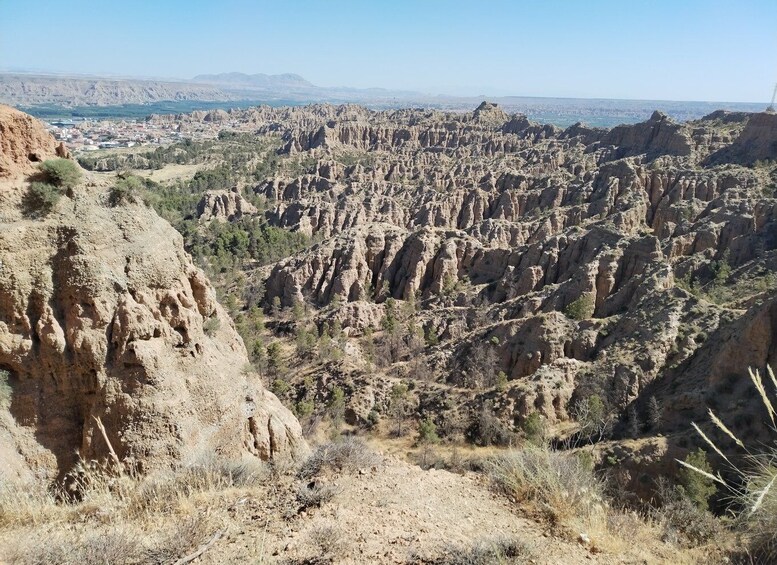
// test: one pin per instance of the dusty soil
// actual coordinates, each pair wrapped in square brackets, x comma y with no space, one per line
[399,513]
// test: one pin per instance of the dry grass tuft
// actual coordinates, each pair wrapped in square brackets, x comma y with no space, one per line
[105,517]
[558,484]
[345,455]
[562,489]
[484,552]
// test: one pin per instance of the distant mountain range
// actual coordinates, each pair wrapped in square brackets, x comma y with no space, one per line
[259,80]
[30,90]
[56,95]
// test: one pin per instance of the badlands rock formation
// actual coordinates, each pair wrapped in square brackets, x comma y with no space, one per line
[223,205]
[103,316]
[628,263]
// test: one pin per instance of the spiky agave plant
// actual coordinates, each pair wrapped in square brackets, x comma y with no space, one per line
[756,490]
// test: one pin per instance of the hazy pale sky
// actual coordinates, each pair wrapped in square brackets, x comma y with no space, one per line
[648,49]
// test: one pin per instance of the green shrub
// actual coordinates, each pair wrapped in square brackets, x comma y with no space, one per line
[279,387]
[305,408]
[211,326]
[581,309]
[501,381]
[128,189]
[41,198]
[427,432]
[535,428]
[61,172]
[373,419]
[683,521]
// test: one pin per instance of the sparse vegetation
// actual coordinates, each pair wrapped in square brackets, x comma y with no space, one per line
[152,517]
[485,552]
[211,325]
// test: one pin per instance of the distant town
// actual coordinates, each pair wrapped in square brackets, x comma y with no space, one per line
[81,135]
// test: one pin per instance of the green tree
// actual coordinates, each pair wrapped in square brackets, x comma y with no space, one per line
[297,310]
[582,308]
[389,322]
[535,428]
[654,414]
[431,337]
[336,407]
[593,417]
[696,486]
[633,423]
[398,406]
[427,432]
[305,342]
[275,310]
[275,363]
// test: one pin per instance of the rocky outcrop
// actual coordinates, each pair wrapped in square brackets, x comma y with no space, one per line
[223,206]
[106,318]
[24,143]
[657,136]
[757,142]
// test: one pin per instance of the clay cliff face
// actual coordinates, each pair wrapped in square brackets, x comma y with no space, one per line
[103,315]
[23,143]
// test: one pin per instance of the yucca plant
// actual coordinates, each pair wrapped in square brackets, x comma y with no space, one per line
[755,491]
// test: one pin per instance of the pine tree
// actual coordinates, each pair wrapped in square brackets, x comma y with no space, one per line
[633,425]
[654,414]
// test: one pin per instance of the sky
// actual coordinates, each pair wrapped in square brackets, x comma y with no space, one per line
[705,50]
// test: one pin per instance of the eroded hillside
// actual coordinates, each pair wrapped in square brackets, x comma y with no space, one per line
[501,265]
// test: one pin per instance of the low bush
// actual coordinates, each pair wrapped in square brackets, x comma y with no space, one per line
[211,326]
[62,173]
[346,455]
[559,485]
[41,198]
[327,544]
[127,190]
[684,523]
[315,494]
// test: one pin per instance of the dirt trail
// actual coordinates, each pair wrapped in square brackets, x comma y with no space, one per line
[399,513]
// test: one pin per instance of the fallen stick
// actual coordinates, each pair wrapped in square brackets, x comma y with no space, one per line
[202,549]
[110,447]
